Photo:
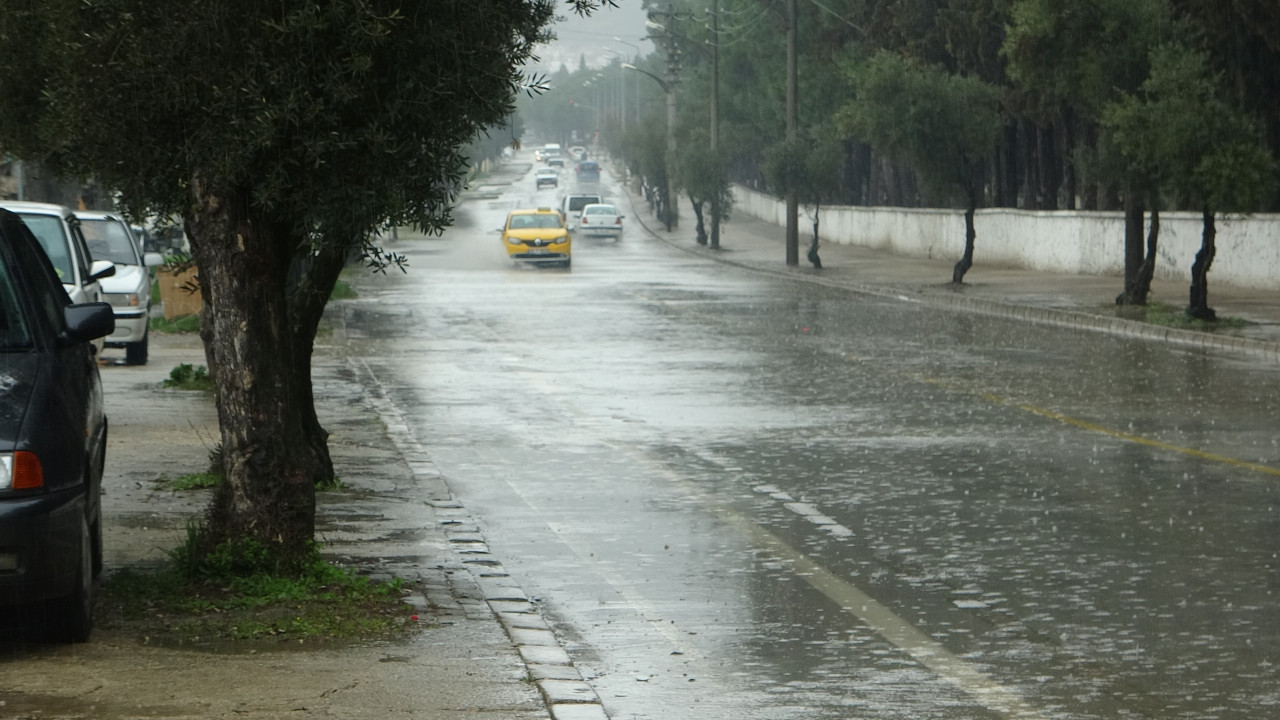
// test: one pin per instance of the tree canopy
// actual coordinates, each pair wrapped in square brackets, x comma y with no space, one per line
[284,135]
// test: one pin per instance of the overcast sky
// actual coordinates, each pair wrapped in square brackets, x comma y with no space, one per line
[593,37]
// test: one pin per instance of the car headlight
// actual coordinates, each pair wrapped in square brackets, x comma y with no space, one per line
[123,299]
[514,241]
[20,471]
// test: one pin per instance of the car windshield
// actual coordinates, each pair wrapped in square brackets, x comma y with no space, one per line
[541,220]
[14,333]
[577,203]
[600,210]
[108,240]
[48,229]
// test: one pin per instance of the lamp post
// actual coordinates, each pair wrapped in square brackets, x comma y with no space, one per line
[668,213]
[635,57]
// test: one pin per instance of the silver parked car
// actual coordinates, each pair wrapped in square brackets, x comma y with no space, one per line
[129,290]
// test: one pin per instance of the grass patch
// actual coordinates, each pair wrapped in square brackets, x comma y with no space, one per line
[178,325]
[1174,317]
[233,594]
[189,377]
[342,290]
[331,485]
[196,481]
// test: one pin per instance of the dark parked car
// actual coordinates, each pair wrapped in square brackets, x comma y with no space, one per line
[53,436]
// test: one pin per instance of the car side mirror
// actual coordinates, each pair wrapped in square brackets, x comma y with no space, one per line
[153,259]
[88,321]
[102,269]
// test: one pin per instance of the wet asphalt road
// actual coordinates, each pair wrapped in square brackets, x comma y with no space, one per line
[739,496]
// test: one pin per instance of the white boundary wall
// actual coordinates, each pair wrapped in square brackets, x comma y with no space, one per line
[1063,241]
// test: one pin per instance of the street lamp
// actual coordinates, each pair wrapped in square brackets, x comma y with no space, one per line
[634,58]
[668,213]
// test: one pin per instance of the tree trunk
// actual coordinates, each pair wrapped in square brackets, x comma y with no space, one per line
[1199,306]
[1008,195]
[315,273]
[1068,157]
[813,246]
[701,227]
[966,262]
[716,213]
[269,489]
[1148,269]
[1090,200]
[1133,221]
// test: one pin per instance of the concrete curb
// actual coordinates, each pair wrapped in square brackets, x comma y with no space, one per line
[1055,317]
[565,692]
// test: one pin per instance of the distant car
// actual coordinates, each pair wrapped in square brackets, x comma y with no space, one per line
[58,230]
[555,160]
[53,439]
[537,236]
[578,153]
[600,219]
[546,176]
[572,206]
[129,290]
[588,171]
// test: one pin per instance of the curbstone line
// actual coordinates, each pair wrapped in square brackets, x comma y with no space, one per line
[481,588]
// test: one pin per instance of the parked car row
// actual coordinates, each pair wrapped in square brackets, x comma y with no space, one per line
[97,258]
[53,429]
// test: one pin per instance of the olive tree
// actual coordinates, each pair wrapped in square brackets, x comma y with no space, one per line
[284,135]
[945,126]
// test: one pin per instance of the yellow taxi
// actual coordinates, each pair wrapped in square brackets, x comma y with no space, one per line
[536,236]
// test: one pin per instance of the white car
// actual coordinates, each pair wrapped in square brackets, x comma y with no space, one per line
[600,219]
[58,230]
[546,176]
[129,290]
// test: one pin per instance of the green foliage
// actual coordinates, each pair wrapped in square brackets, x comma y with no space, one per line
[342,290]
[236,592]
[702,173]
[943,125]
[184,324]
[188,377]
[196,481]
[806,164]
[332,485]
[1202,149]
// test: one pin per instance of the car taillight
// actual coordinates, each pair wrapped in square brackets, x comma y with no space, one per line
[618,221]
[584,219]
[20,471]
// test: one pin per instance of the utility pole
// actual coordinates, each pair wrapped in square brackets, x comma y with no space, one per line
[715,120]
[670,216]
[793,122]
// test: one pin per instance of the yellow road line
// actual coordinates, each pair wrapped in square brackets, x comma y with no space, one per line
[1103,430]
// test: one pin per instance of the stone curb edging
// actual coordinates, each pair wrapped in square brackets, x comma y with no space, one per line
[995,308]
[565,692]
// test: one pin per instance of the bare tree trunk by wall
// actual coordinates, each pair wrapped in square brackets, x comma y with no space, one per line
[1090,199]
[1069,158]
[966,261]
[1027,162]
[1008,169]
[1148,269]
[1133,220]
[1199,305]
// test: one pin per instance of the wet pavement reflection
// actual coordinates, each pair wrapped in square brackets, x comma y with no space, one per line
[741,496]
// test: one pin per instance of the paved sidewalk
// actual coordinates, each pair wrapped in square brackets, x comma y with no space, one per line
[1080,301]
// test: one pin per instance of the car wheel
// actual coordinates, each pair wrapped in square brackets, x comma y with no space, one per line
[136,353]
[70,619]
[565,264]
